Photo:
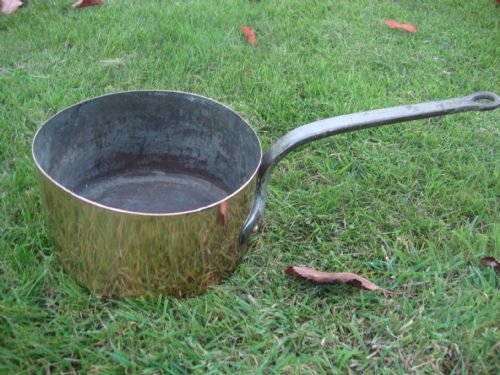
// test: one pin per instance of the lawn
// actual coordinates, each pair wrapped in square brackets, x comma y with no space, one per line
[413,207]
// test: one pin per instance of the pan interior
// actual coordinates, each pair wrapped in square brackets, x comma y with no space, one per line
[153,190]
[155,152]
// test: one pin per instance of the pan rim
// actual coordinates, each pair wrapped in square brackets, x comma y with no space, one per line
[138,213]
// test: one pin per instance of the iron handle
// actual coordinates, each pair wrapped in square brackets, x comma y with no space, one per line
[480,101]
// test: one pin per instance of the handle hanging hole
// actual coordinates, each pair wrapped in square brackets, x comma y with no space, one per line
[484,98]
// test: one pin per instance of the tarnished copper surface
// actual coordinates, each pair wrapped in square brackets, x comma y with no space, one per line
[126,255]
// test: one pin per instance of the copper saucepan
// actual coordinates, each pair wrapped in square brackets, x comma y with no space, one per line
[157,192]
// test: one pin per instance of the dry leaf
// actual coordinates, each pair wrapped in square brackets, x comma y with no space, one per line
[10,6]
[401,26]
[336,277]
[87,3]
[491,262]
[249,34]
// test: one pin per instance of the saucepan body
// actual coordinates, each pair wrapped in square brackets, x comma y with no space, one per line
[147,191]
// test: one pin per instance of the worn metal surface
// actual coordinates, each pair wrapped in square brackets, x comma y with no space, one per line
[130,142]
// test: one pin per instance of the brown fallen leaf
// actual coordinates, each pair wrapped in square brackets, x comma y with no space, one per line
[10,6]
[87,3]
[352,279]
[491,262]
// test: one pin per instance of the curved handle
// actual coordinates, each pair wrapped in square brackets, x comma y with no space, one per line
[480,101]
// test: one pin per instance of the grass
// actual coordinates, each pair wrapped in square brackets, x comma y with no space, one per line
[413,207]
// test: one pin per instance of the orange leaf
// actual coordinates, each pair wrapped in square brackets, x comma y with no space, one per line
[336,277]
[401,26]
[9,6]
[86,3]
[249,34]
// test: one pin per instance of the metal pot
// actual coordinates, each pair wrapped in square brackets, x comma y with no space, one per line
[148,192]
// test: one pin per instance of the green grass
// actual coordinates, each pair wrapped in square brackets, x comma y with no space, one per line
[413,207]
